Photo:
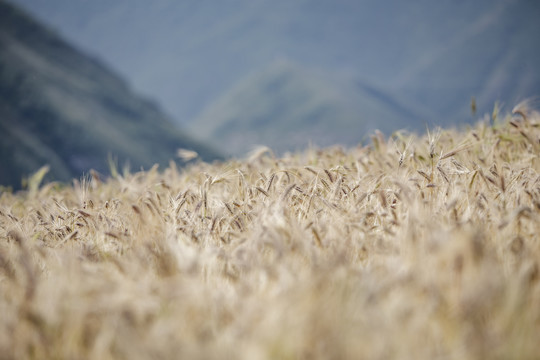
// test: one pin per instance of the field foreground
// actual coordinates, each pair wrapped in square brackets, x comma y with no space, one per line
[410,248]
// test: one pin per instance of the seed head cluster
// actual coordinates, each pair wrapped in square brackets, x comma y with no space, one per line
[411,247]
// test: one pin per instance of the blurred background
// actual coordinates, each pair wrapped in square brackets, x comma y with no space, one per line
[222,76]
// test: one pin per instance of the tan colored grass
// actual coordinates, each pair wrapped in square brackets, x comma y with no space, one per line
[411,248]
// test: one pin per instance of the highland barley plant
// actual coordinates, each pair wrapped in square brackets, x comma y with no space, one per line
[411,247]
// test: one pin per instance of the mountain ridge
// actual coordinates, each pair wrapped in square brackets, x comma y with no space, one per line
[434,55]
[70,111]
[287,106]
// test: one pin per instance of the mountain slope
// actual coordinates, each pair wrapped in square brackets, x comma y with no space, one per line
[287,106]
[436,53]
[493,56]
[60,107]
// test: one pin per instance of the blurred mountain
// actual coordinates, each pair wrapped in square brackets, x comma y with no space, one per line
[60,107]
[432,55]
[290,107]
[490,51]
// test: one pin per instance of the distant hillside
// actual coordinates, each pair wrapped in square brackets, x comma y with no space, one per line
[60,107]
[488,50]
[287,106]
[434,54]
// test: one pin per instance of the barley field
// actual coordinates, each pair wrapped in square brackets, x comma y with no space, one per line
[410,247]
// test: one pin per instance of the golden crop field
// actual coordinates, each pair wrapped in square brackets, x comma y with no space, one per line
[411,247]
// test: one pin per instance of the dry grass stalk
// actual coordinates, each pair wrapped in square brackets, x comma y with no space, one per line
[325,254]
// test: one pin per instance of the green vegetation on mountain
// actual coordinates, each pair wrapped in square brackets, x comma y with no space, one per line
[62,108]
